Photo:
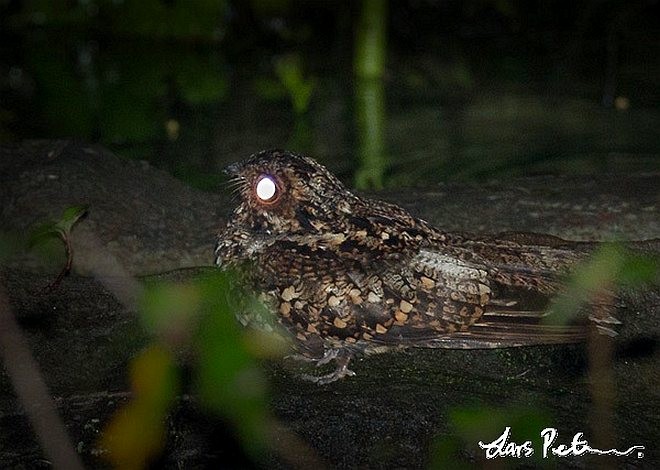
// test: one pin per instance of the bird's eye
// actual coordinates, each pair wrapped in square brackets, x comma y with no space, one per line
[266,189]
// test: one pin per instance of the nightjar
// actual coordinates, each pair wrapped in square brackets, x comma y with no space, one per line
[347,274]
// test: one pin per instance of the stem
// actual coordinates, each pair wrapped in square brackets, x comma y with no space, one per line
[370,55]
[600,349]
[370,43]
[68,251]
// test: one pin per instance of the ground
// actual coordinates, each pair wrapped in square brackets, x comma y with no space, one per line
[400,410]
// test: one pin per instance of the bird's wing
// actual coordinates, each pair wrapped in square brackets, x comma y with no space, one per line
[427,299]
[459,304]
[530,261]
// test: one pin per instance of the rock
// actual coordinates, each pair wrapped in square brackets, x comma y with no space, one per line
[143,217]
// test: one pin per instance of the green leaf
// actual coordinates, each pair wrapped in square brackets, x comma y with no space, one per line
[70,216]
[60,228]
[42,233]
[170,310]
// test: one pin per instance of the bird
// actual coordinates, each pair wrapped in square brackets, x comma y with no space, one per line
[345,274]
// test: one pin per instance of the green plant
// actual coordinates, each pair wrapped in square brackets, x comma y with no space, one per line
[61,229]
[611,266]
[199,318]
[289,70]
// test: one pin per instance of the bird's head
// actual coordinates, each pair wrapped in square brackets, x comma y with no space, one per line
[281,192]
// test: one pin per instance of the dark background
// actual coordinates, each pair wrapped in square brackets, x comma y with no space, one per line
[472,89]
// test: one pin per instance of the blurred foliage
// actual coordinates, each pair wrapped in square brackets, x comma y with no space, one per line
[370,113]
[136,433]
[289,70]
[371,39]
[193,19]
[459,77]
[200,79]
[290,83]
[190,19]
[269,89]
[198,321]
[302,136]
[611,267]
[123,94]
[370,118]
[471,425]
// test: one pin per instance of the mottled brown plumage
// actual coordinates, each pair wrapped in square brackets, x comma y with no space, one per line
[345,273]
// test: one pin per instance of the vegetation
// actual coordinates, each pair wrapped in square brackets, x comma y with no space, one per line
[499,88]
[194,325]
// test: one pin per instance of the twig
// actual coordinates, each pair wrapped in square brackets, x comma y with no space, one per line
[600,349]
[28,383]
